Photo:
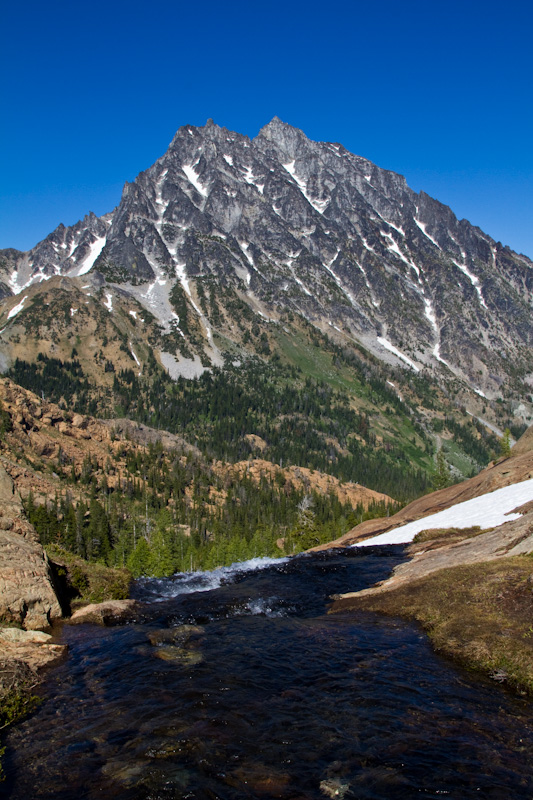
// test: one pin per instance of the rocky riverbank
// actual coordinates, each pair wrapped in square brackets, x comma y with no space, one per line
[472,589]
[35,593]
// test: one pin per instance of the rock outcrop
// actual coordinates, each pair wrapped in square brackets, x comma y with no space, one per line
[24,654]
[435,553]
[519,467]
[510,539]
[27,594]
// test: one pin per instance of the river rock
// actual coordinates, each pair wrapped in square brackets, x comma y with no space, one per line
[180,655]
[109,612]
[23,637]
[178,635]
[24,654]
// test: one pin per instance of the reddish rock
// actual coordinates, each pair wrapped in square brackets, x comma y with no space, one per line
[106,613]
[27,596]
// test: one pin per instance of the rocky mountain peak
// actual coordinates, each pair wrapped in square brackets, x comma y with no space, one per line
[287,140]
[288,225]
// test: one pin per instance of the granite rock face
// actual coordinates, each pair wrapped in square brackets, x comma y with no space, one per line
[27,594]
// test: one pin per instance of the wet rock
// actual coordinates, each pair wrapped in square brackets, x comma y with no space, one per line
[181,655]
[18,635]
[181,634]
[24,654]
[125,773]
[109,612]
[333,787]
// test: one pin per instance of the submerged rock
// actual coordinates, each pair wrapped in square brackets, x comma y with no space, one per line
[181,655]
[177,644]
[334,788]
[182,633]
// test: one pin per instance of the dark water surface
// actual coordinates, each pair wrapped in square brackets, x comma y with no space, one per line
[236,684]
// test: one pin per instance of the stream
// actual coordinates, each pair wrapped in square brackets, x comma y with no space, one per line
[237,684]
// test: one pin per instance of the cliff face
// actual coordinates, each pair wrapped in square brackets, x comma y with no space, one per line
[27,595]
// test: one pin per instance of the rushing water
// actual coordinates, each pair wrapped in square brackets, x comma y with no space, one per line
[237,684]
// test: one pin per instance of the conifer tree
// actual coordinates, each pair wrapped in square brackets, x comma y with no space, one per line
[139,561]
[442,477]
[505,444]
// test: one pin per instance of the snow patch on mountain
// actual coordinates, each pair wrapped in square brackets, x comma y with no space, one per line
[487,511]
[422,227]
[18,308]
[87,264]
[194,178]
[474,280]
[392,245]
[318,205]
[338,281]
[14,284]
[252,180]
[392,349]
[132,351]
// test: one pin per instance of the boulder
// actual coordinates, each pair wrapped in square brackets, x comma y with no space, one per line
[109,612]
[24,654]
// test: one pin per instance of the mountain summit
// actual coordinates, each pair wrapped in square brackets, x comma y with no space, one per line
[224,227]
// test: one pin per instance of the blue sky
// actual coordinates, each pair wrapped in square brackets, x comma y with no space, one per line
[93,93]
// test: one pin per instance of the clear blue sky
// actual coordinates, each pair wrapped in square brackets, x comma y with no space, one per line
[92,94]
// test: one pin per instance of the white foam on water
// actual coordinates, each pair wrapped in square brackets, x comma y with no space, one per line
[190,582]
[262,607]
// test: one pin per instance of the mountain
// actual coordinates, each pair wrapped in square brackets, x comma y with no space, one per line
[222,228]
[279,253]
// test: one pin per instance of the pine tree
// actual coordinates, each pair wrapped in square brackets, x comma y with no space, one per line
[139,561]
[442,477]
[161,563]
[505,444]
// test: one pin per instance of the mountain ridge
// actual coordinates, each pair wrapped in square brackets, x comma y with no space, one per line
[223,233]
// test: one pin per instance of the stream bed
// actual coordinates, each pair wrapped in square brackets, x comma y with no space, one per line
[238,684]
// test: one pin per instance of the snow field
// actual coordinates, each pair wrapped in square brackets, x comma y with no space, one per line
[488,511]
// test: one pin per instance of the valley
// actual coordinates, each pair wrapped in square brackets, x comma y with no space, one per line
[270,351]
